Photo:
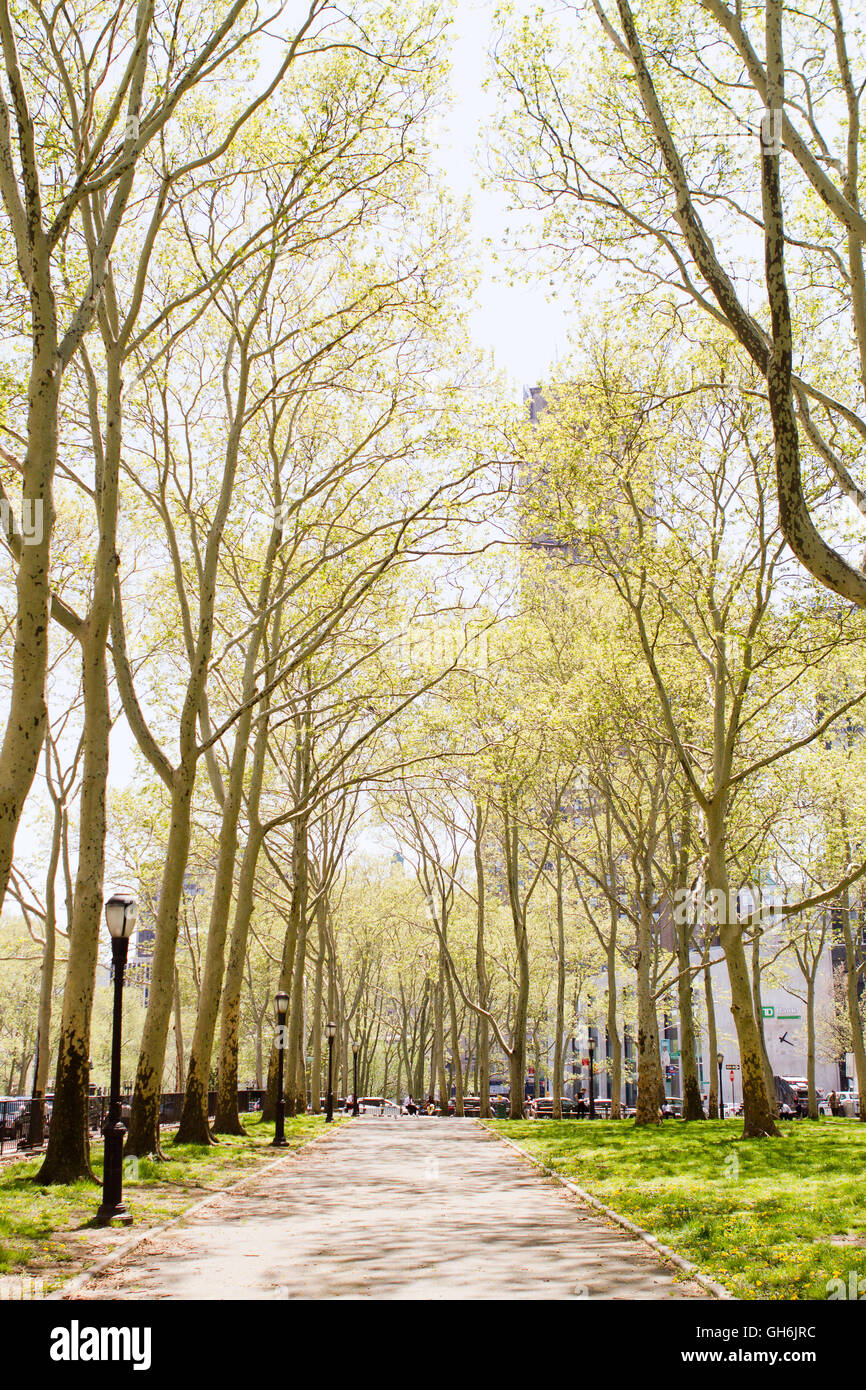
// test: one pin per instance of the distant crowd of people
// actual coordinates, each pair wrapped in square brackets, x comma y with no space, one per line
[428,1107]
[668,1110]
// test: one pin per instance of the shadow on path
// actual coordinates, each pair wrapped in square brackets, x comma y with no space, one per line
[410,1208]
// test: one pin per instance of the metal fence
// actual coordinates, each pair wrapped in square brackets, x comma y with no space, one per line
[15,1113]
[14,1121]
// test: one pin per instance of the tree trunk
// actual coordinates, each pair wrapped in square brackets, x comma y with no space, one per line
[517,1055]
[301,1068]
[483,1044]
[421,1053]
[612,985]
[852,996]
[810,1044]
[759,1019]
[26,719]
[46,983]
[757,1112]
[316,1076]
[68,1154]
[614,1034]
[516,1079]
[24,1068]
[260,1056]
[455,1046]
[295,1060]
[691,1098]
[194,1127]
[441,1077]
[331,1058]
[692,1104]
[341,1059]
[284,984]
[649,1074]
[178,1032]
[143,1137]
[712,1036]
[295,989]
[227,1120]
[559,1028]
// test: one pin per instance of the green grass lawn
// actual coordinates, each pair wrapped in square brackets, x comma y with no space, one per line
[50,1232]
[759,1216]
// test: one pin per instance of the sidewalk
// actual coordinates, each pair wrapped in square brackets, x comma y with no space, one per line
[411,1208]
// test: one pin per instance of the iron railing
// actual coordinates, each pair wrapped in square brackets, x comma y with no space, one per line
[15,1113]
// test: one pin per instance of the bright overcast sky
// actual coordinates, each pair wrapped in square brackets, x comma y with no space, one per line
[525,331]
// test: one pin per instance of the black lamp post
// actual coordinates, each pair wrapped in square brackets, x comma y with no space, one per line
[329,1111]
[281,1008]
[356,1048]
[590,1047]
[720,1059]
[121,911]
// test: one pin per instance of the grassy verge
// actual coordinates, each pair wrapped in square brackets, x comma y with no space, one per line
[48,1234]
[766,1218]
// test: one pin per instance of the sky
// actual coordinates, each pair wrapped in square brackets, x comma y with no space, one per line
[525,331]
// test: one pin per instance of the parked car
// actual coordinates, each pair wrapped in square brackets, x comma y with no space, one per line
[541,1107]
[602,1107]
[793,1092]
[800,1087]
[339,1102]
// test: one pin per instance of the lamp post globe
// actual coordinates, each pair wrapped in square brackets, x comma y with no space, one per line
[720,1059]
[281,1009]
[329,1111]
[121,912]
[356,1048]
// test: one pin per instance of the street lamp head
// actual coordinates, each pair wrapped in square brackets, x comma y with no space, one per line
[356,1047]
[720,1058]
[121,911]
[332,1030]
[281,1006]
[590,1046]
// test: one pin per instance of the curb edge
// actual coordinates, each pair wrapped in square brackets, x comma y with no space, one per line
[663,1251]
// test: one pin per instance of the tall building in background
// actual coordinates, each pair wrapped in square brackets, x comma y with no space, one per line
[140,965]
[533,485]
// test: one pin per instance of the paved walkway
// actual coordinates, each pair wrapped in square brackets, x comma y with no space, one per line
[411,1208]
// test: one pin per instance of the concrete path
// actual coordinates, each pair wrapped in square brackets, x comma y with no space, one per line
[407,1209]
